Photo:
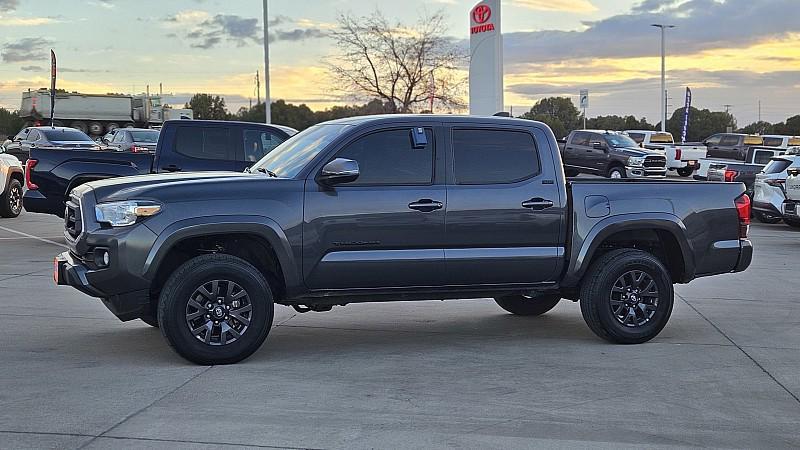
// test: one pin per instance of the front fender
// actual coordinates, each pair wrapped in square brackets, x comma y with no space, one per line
[263,227]
[584,247]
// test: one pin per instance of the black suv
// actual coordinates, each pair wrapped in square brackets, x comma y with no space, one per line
[610,154]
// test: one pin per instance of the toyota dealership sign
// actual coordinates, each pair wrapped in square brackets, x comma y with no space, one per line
[486,59]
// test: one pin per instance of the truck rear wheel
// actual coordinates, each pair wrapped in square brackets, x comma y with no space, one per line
[80,126]
[627,296]
[524,305]
[686,171]
[215,309]
[95,128]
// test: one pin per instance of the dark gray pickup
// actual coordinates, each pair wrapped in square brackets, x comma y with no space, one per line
[396,208]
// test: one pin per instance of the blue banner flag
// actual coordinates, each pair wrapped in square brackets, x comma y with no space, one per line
[686,114]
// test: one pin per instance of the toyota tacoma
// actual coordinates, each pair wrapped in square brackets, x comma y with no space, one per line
[395,208]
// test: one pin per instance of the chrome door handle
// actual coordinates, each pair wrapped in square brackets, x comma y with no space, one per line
[537,204]
[425,205]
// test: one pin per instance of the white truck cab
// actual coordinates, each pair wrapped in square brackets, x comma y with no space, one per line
[680,157]
[11,179]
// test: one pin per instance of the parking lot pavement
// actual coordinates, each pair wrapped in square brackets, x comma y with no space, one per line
[724,373]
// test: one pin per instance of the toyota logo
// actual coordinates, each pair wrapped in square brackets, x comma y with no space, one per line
[481,14]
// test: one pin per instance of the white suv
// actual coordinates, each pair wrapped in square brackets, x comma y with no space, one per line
[11,179]
[769,192]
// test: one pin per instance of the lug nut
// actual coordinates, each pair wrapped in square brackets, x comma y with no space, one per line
[208,316]
[226,317]
[219,301]
[227,307]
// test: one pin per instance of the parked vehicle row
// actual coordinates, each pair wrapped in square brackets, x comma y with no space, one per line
[610,154]
[399,208]
[183,145]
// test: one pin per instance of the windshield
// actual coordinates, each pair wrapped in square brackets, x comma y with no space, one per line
[65,134]
[289,158]
[145,136]
[619,140]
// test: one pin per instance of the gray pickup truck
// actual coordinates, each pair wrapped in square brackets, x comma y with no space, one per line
[395,208]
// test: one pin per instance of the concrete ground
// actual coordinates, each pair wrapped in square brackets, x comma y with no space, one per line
[724,373]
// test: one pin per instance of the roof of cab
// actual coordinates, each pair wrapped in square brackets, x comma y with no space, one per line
[448,118]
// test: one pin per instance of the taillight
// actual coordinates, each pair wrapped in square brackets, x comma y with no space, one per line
[730,175]
[677,153]
[743,210]
[29,165]
[778,182]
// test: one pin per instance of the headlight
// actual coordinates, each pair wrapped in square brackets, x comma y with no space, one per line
[636,161]
[123,214]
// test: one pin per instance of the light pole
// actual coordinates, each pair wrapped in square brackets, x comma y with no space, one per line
[267,99]
[663,94]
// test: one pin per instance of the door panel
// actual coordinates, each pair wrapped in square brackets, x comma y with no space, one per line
[384,230]
[503,232]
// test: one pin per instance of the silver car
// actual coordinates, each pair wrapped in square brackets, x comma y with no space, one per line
[770,188]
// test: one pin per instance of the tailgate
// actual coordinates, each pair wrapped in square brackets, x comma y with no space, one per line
[793,187]
[692,153]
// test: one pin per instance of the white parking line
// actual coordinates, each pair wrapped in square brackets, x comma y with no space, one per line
[30,236]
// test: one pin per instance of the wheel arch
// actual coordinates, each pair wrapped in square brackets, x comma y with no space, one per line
[267,245]
[660,233]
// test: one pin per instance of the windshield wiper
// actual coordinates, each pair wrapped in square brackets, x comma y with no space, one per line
[268,172]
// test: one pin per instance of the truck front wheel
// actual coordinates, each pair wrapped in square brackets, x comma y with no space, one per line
[524,305]
[215,309]
[627,296]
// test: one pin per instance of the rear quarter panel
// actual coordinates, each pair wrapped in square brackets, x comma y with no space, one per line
[701,216]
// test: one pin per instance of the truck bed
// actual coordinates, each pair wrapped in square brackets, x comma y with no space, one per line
[694,209]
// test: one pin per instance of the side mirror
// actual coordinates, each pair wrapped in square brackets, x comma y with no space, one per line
[4,145]
[338,171]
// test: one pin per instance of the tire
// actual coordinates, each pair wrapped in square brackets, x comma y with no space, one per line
[617,172]
[765,218]
[523,305]
[213,274]
[80,126]
[600,294]
[792,223]
[95,128]
[11,200]
[153,322]
[686,172]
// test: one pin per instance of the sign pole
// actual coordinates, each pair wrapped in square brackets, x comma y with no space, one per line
[267,99]
[52,87]
[584,104]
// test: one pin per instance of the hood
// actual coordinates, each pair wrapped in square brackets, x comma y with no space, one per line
[636,151]
[9,161]
[174,186]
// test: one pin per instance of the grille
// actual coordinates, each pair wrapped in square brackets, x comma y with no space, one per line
[655,161]
[72,219]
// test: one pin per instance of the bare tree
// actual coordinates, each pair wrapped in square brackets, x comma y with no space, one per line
[403,66]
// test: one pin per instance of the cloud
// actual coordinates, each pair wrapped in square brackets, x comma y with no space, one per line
[8,5]
[698,22]
[26,49]
[32,69]
[573,6]
[209,32]
[26,21]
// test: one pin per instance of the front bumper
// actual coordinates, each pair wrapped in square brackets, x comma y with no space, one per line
[645,172]
[70,271]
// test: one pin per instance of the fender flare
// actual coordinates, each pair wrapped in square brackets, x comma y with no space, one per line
[263,227]
[581,258]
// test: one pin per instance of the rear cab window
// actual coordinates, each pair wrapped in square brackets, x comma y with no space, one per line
[661,138]
[637,137]
[729,140]
[753,140]
[204,143]
[485,156]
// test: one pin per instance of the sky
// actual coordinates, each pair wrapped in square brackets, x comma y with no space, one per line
[730,52]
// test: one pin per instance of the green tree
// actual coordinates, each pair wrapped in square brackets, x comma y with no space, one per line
[761,127]
[618,123]
[791,126]
[559,113]
[10,122]
[702,123]
[208,107]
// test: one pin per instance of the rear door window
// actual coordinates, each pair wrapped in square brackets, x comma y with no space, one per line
[494,156]
[204,143]
[773,142]
[729,140]
[777,166]
[637,137]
